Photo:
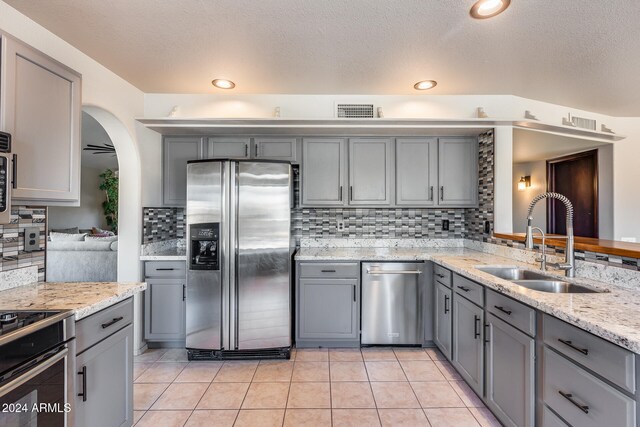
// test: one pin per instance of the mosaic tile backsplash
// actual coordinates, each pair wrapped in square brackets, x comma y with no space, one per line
[160,224]
[477,218]
[12,254]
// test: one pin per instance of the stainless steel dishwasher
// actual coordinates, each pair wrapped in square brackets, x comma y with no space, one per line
[392,303]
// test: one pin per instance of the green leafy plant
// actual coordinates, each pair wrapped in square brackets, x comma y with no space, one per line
[109,184]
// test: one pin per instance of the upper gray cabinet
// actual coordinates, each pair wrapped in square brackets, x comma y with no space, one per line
[176,152]
[370,171]
[42,110]
[275,149]
[416,171]
[458,171]
[323,166]
[228,148]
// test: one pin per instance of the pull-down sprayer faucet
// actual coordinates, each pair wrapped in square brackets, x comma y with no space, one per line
[569,265]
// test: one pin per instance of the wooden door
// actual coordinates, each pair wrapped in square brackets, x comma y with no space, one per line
[575,176]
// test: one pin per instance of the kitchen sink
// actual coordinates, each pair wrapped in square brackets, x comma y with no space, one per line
[537,281]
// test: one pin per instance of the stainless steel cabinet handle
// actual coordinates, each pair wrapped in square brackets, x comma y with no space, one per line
[256,145]
[486,333]
[446,306]
[464,289]
[246,150]
[442,193]
[340,199]
[431,193]
[327,271]
[354,293]
[14,172]
[502,309]
[350,193]
[184,292]
[570,344]
[165,269]
[84,384]
[440,275]
[476,327]
[569,397]
[393,271]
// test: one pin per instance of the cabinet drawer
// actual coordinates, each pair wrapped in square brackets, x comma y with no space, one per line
[468,289]
[581,398]
[607,359]
[93,329]
[339,270]
[513,312]
[442,275]
[549,419]
[165,269]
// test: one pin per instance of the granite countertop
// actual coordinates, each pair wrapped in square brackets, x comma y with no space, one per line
[83,298]
[612,315]
[172,254]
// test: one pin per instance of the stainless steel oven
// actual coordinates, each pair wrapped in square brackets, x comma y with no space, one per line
[6,178]
[37,366]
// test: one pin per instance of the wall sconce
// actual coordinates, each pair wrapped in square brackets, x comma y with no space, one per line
[524,183]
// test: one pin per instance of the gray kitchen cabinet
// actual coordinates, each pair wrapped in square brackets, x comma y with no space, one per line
[416,171]
[467,354]
[275,148]
[106,382]
[42,110]
[323,171]
[176,151]
[442,318]
[370,171]
[165,301]
[510,367]
[457,171]
[228,148]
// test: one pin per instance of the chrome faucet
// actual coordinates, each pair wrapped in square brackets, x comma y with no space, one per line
[569,265]
[543,252]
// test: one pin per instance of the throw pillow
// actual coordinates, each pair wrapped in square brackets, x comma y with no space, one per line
[66,237]
[72,230]
[94,238]
[101,232]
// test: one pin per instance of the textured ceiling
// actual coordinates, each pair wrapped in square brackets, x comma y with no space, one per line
[580,53]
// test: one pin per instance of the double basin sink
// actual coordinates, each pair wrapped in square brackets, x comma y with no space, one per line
[537,281]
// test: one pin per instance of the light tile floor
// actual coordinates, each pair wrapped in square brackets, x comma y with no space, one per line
[317,387]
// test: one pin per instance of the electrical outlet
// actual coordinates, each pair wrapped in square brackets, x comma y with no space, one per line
[340,225]
[445,225]
[31,239]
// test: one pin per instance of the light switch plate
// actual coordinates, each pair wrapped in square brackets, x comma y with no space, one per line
[31,239]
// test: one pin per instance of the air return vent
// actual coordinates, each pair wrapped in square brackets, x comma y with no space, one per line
[5,142]
[579,122]
[354,111]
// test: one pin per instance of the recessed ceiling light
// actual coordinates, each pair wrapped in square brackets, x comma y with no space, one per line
[223,84]
[483,9]
[425,84]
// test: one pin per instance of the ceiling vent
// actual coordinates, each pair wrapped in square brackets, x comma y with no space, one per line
[579,122]
[354,111]
[5,142]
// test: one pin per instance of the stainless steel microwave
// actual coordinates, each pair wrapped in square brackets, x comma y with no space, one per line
[5,178]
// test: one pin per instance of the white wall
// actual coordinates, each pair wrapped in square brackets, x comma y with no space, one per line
[626,176]
[89,213]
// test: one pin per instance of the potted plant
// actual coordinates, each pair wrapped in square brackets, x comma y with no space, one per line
[109,184]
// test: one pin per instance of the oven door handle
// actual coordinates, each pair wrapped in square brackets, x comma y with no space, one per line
[33,372]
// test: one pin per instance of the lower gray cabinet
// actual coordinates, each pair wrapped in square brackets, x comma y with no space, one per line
[104,382]
[165,300]
[328,309]
[510,367]
[442,319]
[468,342]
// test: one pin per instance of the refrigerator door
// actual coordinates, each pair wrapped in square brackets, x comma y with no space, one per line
[262,261]
[205,211]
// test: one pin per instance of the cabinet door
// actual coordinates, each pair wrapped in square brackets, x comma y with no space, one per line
[442,319]
[164,309]
[176,152]
[510,373]
[416,171]
[370,171]
[228,148]
[275,149]
[458,172]
[323,165]
[328,309]
[468,346]
[106,382]
[43,113]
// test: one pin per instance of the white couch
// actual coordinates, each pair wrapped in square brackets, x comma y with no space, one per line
[86,261]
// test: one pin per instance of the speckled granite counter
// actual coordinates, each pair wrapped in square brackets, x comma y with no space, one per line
[83,298]
[613,315]
[174,254]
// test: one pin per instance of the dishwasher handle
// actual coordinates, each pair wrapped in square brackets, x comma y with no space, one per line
[369,271]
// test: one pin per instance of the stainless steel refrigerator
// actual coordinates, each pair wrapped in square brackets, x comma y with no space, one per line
[238,292]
